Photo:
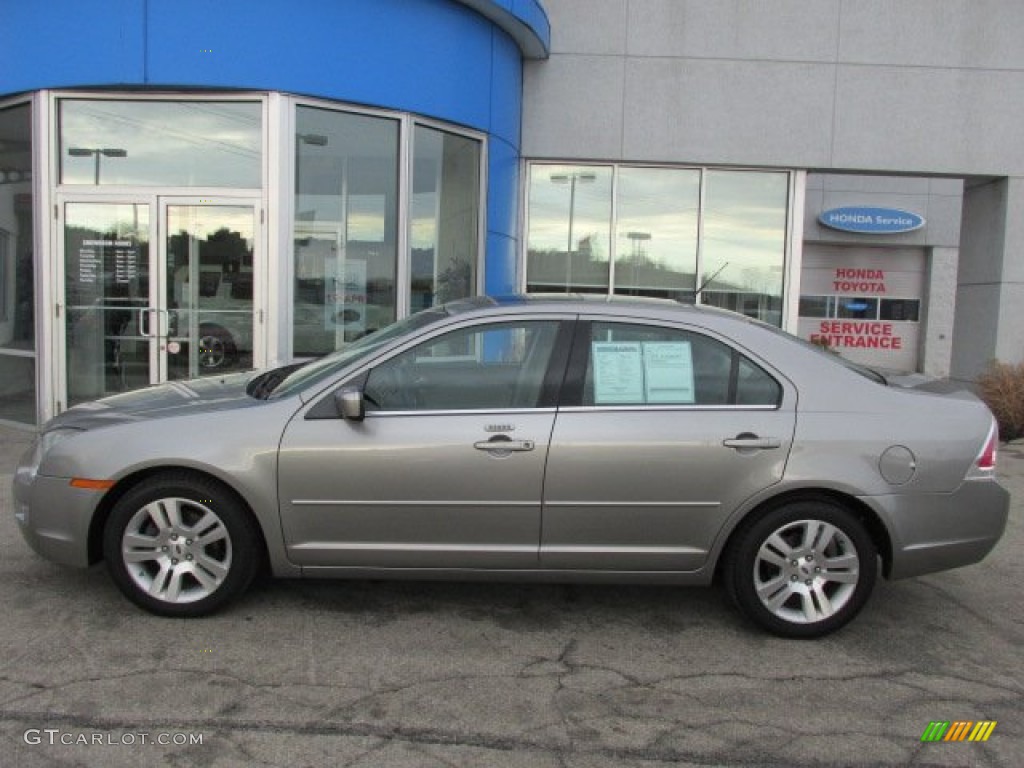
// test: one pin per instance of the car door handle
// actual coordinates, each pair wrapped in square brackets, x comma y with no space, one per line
[751,442]
[498,445]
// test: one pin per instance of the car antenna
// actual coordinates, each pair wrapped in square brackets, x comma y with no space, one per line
[708,280]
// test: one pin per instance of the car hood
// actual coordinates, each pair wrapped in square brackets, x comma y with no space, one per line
[174,398]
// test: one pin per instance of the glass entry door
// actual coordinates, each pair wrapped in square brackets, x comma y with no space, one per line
[135,314]
[108,317]
[208,289]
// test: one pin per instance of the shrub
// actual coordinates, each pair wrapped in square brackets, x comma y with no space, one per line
[1001,386]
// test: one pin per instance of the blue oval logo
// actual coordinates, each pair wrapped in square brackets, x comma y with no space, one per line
[871,221]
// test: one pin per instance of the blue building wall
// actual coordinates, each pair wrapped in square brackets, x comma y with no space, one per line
[455,60]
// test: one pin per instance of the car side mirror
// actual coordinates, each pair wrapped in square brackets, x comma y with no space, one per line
[348,401]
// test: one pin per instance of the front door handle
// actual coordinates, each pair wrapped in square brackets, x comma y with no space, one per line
[748,441]
[503,445]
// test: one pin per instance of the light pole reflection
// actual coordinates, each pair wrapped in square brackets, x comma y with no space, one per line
[97,153]
[583,177]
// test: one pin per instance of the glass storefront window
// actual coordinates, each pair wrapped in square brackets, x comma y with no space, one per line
[656,232]
[744,246]
[346,224]
[717,237]
[569,241]
[17,275]
[165,143]
[444,233]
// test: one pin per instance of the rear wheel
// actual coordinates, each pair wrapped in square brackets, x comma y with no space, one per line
[180,545]
[802,570]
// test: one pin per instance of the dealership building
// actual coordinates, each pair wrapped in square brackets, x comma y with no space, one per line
[193,188]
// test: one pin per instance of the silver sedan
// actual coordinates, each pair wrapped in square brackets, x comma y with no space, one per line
[528,438]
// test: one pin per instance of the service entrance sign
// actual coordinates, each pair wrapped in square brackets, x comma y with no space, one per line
[864,303]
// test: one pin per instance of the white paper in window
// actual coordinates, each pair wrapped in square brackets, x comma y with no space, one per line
[668,372]
[618,372]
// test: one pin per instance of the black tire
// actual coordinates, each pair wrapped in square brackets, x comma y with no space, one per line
[217,349]
[811,591]
[180,544]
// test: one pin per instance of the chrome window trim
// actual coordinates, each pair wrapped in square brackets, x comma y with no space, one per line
[667,407]
[458,412]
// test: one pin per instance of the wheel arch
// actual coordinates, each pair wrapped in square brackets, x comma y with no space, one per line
[872,522]
[133,480]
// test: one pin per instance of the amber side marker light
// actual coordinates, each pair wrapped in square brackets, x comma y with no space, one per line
[91,485]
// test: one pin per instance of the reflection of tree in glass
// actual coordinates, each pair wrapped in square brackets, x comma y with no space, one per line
[455,282]
[221,248]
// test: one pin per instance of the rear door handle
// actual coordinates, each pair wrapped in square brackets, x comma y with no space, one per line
[751,442]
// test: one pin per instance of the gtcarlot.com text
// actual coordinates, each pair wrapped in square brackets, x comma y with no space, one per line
[56,736]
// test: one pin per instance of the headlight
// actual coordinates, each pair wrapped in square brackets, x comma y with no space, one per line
[43,445]
[49,439]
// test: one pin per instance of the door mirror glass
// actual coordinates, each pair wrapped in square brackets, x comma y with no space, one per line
[349,403]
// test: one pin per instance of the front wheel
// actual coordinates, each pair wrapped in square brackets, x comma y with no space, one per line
[803,569]
[180,545]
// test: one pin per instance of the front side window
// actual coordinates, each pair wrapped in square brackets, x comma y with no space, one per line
[654,365]
[499,366]
[161,143]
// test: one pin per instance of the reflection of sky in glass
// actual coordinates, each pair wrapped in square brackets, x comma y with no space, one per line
[423,233]
[366,214]
[346,165]
[549,209]
[657,228]
[202,221]
[174,143]
[655,245]
[122,220]
[745,229]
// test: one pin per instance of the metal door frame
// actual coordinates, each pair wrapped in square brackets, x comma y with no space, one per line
[157,308]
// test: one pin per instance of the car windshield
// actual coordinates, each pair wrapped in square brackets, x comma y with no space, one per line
[324,367]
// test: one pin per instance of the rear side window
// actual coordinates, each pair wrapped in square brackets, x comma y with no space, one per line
[629,364]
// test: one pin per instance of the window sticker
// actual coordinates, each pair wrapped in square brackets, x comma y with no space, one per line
[618,372]
[668,372]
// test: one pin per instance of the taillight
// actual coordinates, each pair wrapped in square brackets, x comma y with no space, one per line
[987,458]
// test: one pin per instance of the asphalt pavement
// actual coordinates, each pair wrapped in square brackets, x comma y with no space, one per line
[380,674]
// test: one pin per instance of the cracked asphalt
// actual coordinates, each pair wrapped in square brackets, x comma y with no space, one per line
[375,674]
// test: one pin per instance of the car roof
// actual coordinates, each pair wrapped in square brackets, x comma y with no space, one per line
[640,306]
[573,302]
